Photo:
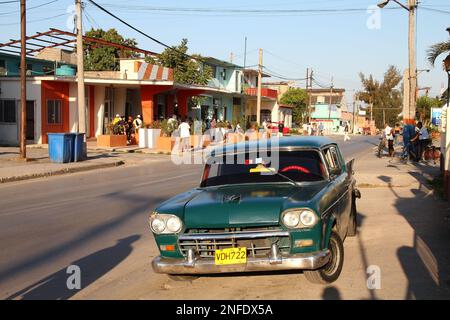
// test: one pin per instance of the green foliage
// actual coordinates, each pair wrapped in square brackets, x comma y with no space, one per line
[296,98]
[436,50]
[383,95]
[424,105]
[106,58]
[186,69]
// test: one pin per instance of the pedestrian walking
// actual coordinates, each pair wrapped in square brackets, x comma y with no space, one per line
[346,130]
[185,134]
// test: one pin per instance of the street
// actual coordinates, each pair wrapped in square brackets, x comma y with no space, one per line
[98,221]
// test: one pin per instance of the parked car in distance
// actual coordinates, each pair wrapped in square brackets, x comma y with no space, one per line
[266,205]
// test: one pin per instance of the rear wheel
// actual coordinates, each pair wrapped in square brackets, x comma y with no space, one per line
[331,271]
[180,277]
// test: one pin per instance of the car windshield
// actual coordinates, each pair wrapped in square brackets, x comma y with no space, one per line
[281,166]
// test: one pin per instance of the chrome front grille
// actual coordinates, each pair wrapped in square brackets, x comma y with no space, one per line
[257,241]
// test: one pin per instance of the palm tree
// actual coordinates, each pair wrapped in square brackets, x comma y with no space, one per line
[436,50]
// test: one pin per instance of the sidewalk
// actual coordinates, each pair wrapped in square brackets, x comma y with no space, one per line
[38,164]
[404,228]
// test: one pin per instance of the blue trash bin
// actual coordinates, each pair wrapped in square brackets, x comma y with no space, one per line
[78,149]
[60,147]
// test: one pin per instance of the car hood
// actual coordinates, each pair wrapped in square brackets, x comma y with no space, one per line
[241,205]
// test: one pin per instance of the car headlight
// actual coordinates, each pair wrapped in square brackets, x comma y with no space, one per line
[299,218]
[308,218]
[165,223]
[174,224]
[291,219]
[158,225]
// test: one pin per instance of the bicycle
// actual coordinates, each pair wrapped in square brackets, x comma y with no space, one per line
[381,147]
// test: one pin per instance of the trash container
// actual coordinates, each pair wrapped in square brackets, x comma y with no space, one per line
[78,148]
[60,147]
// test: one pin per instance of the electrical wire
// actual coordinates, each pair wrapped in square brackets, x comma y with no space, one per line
[30,8]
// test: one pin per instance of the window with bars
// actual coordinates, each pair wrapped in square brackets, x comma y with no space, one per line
[54,112]
[8,110]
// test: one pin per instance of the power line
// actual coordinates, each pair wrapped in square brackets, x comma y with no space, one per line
[35,20]
[139,31]
[30,8]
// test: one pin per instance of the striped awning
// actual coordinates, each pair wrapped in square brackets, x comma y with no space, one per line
[147,71]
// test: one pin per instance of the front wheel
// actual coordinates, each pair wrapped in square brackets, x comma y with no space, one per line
[331,271]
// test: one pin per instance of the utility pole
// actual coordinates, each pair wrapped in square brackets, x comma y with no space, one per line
[258,98]
[412,5]
[310,95]
[355,97]
[23,81]
[331,94]
[80,71]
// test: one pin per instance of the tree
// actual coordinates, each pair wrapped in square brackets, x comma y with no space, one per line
[106,58]
[187,69]
[424,105]
[296,98]
[436,50]
[385,96]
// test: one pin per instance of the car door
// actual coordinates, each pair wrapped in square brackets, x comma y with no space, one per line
[339,187]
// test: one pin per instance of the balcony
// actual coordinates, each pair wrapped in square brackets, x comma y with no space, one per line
[265,92]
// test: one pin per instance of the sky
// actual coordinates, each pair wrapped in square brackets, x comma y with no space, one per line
[335,42]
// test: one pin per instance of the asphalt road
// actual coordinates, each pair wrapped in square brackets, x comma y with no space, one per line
[98,221]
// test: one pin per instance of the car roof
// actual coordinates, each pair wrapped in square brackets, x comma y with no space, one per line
[312,142]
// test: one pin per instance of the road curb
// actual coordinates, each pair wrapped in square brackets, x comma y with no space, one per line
[61,172]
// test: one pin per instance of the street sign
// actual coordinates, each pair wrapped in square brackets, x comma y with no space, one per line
[436,116]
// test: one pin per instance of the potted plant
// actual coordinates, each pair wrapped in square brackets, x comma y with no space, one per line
[149,134]
[114,138]
[166,139]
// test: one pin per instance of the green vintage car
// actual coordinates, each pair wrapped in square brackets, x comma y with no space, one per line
[266,205]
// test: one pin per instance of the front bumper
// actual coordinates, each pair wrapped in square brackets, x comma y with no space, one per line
[309,261]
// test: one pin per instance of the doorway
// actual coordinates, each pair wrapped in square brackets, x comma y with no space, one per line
[30,120]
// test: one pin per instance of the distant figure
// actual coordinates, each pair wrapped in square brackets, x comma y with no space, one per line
[305,129]
[185,134]
[116,120]
[346,130]
[137,123]
[309,129]
[280,128]
[421,140]
[321,128]
[129,128]
[389,133]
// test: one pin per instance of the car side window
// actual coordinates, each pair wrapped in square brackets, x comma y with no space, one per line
[334,155]
[332,159]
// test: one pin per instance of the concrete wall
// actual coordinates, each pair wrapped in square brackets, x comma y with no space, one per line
[10,89]
[99,99]
[73,107]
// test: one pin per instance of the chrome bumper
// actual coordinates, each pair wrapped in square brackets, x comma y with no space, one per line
[299,261]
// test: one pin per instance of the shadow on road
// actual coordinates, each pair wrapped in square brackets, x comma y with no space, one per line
[139,206]
[331,293]
[426,264]
[92,267]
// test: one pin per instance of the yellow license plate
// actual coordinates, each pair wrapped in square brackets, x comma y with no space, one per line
[230,256]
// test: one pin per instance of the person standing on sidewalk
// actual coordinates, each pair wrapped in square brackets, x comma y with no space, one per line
[422,140]
[185,135]
[389,133]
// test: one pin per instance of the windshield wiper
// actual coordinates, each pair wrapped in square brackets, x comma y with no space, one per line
[285,177]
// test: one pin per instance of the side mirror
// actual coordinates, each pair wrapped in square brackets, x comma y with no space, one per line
[335,172]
